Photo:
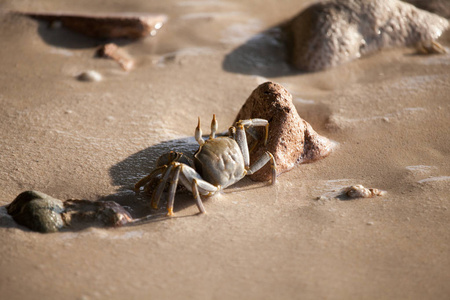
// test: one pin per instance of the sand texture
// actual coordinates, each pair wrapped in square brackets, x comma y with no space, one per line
[297,239]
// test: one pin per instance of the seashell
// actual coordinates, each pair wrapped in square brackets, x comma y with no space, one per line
[358,191]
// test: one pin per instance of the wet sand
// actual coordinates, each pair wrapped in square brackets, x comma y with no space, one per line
[94,140]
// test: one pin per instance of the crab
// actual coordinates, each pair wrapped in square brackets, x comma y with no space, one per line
[219,162]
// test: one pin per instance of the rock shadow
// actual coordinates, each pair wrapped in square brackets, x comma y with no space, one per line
[265,54]
[57,35]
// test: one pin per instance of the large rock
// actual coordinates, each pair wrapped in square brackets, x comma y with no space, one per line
[37,211]
[291,139]
[330,33]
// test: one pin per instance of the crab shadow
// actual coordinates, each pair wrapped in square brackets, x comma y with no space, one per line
[265,54]
[127,172]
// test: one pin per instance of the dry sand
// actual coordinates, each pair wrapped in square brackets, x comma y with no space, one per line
[92,140]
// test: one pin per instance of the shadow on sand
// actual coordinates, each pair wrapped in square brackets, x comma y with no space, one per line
[127,172]
[265,54]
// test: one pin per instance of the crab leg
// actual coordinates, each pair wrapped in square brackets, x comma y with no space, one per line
[255,123]
[194,183]
[188,174]
[241,137]
[241,140]
[168,157]
[148,178]
[261,162]
[197,198]
[172,190]
[160,188]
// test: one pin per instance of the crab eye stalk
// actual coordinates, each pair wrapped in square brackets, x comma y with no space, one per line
[214,126]
[232,132]
[198,134]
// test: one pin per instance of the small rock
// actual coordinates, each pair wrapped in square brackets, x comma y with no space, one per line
[291,139]
[358,191]
[90,76]
[331,33]
[37,211]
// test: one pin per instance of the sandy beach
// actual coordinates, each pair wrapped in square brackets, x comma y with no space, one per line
[388,113]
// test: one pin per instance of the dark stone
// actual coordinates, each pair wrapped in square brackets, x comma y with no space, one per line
[37,211]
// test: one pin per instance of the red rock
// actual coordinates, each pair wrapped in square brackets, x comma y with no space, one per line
[291,139]
[106,25]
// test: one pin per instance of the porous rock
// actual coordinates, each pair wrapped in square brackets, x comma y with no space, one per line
[291,139]
[37,211]
[331,33]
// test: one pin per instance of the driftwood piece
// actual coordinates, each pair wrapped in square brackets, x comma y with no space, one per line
[117,54]
[106,25]
[291,139]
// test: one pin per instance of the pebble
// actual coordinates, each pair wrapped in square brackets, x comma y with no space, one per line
[90,76]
